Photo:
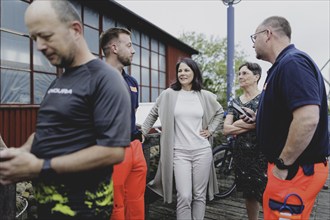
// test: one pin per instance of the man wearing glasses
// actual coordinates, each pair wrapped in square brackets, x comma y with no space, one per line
[292,125]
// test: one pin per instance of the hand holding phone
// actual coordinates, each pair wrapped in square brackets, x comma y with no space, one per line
[240,110]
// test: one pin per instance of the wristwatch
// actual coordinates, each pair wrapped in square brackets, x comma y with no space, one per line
[279,163]
[47,170]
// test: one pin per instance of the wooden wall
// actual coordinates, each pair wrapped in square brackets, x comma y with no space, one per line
[173,55]
[17,123]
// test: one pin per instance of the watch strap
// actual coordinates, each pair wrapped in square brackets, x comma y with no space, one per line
[280,164]
[47,169]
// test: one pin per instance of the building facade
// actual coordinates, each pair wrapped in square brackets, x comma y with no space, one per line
[25,73]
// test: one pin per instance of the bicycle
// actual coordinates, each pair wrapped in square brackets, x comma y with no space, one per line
[223,162]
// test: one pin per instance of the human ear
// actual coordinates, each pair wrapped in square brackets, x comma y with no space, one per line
[77,28]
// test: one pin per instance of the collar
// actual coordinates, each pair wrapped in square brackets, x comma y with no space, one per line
[280,57]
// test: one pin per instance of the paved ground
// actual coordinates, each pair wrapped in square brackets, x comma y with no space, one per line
[233,208]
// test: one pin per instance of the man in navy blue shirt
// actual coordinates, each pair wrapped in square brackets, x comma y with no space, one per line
[130,175]
[292,125]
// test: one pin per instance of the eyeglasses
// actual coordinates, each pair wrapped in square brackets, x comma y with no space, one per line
[254,36]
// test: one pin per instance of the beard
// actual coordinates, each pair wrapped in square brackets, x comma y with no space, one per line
[62,61]
[65,62]
[126,61]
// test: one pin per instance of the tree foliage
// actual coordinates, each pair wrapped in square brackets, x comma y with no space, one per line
[212,61]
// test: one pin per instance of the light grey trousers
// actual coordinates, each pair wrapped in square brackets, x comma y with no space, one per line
[191,172]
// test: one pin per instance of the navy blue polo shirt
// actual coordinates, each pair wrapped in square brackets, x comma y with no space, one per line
[134,92]
[293,81]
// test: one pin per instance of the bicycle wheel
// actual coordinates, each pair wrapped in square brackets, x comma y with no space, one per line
[223,162]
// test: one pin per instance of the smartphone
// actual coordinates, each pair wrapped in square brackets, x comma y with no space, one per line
[240,110]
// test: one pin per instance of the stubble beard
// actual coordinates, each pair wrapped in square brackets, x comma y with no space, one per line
[126,61]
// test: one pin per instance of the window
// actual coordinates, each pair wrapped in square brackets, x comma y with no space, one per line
[19,80]
[151,56]
[145,77]
[92,36]
[25,73]
[12,15]
[41,84]
[135,37]
[91,17]
[135,72]
[108,23]
[15,51]
[15,87]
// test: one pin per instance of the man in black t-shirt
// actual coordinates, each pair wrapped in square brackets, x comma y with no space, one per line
[82,126]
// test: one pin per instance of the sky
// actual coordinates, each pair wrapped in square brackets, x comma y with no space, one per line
[309,19]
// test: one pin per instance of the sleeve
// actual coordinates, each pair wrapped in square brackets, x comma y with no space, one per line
[111,110]
[217,119]
[152,116]
[299,84]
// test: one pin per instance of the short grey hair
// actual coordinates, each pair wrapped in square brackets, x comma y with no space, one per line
[279,24]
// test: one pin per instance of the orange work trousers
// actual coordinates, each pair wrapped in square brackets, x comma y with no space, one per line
[306,187]
[129,180]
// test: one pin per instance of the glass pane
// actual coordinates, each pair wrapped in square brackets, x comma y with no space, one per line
[145,58]
[154,78]
[15,87]
[119,24]
[92,37]
[162,80]
[12,15]
[15,51]
[135,72]
[145,41]
[154,94]
[145,96]
[108,23]
[162,63]
[77,5]
[154,45]
[126,69]
[161,48]
[40,62]
[41,84]
[154,60]
[91,17]
[135,37]
[145,77]
[137,55]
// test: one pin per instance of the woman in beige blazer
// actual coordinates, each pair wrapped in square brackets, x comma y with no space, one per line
[189,117]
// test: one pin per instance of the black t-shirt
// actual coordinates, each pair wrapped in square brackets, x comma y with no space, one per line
[87,105]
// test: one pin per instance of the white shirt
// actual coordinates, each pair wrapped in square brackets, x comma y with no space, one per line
[188,114]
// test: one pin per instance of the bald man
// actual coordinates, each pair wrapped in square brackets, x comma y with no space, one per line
[83,123]
[292,123]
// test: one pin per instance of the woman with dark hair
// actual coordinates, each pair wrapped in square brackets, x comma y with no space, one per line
[189,116]
[250,163]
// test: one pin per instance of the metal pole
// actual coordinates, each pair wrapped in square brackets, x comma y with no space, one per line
[230,50]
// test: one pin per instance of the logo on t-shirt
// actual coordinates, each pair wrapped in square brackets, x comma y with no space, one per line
[133,89]
[60,91]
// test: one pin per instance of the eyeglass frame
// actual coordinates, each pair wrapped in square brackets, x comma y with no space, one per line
[254,36]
